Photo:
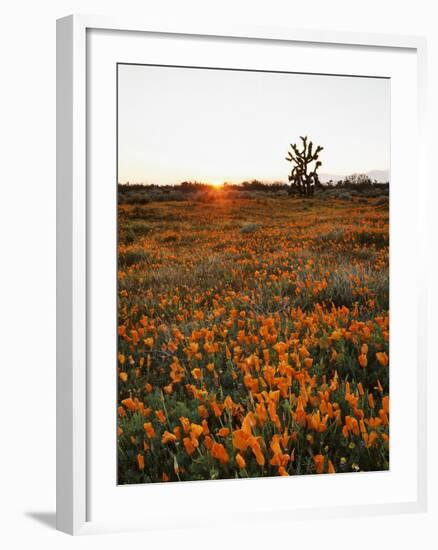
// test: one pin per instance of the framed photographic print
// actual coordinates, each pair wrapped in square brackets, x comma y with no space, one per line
[240,285]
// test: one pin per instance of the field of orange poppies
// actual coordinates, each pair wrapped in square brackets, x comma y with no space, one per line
[253,338]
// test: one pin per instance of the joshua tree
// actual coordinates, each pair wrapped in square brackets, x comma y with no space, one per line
[303,177]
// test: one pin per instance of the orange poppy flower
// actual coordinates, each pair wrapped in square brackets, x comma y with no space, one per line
[308,362]
[130,404]
[197,373]
[196,430]
[203,412]
[372,438]
[149,429]
[228,403]
[219,452]
[185,423]
[189,446]
[275,444]
[319,463]
[241,440]
[217,409]
[240,461]
[140,461]
[168,437]
[382,358]
[257,451]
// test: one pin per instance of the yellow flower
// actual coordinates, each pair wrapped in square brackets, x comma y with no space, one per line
[149,342]
[197,374]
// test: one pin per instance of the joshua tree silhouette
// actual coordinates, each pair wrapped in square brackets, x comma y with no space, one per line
[303,177]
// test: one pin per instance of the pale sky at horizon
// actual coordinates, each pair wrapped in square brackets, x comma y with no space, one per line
[177,124]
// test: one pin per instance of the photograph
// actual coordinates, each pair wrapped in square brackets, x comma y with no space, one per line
[252,273]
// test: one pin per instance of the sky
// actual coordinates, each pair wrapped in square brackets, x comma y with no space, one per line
[185,124]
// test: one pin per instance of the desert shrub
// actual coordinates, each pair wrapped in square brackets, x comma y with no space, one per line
[139,227]
[170,237]
[249,228]
[377,238]
[336,235]
[175,196]
[345,196]
[384,201]
[132,256]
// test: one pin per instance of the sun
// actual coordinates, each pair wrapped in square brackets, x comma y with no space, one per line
[216,183]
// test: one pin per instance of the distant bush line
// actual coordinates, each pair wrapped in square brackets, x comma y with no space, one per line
[352,186]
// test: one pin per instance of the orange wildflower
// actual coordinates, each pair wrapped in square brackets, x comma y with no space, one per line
[240,461]
[382,358]
[130,404]
[140,461]
[203,412]
[185,422]
[308,362]
[241,440]
[168,437]
[217,409]
[257,451]
[319,463]
[219,452]
[197,374]
[149,429]
[196,430]
[189,446]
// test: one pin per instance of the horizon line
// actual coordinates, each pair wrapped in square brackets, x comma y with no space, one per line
[252,179]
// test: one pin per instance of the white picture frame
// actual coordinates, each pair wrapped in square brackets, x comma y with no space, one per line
[74,220]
